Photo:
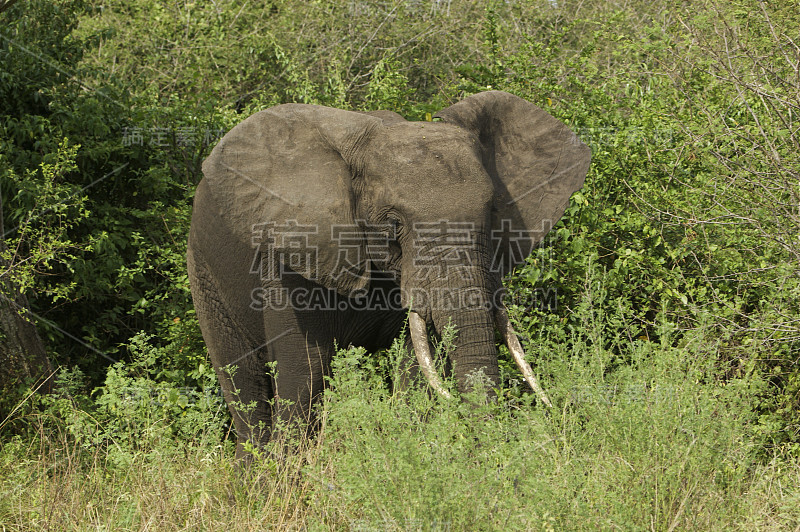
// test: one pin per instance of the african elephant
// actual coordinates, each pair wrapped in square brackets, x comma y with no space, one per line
[314,226]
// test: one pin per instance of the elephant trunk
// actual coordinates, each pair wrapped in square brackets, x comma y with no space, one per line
[466,298]
[475,350]
[419,338]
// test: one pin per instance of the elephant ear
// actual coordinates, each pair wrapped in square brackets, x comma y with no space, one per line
[535,162]
[282,180]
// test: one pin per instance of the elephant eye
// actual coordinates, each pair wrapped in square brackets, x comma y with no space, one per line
[393,227]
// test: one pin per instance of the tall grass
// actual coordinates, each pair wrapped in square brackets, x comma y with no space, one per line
[644,435]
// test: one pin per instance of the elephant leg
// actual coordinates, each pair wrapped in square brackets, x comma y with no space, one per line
[300,344]
[239,359]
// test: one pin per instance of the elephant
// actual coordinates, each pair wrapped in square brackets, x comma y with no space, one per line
[314,227]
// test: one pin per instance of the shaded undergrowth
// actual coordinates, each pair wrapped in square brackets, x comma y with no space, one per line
[662,441]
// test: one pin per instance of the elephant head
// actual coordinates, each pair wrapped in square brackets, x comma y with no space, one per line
[444,208]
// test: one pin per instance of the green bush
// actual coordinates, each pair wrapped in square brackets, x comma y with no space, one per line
[658,441]
[661,312]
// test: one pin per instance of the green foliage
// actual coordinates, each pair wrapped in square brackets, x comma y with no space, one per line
[662,310]
[659,429]
[660,441]
[388,88]
[47,207]
[141,405]
[691,202]
[102,229]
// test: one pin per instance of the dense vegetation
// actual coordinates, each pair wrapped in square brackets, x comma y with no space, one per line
[663,310]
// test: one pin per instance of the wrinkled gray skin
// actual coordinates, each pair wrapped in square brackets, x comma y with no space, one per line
[494,164]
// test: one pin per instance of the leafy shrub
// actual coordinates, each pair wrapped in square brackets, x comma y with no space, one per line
[660,314]
[659,439]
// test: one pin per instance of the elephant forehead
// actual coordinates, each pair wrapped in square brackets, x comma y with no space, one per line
[432,170]
[420,144]
[426,154]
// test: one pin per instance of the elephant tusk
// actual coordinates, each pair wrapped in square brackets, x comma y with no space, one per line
[419,337]
[511,340]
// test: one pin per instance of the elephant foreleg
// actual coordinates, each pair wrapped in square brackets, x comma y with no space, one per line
[238,358]
[300,343]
